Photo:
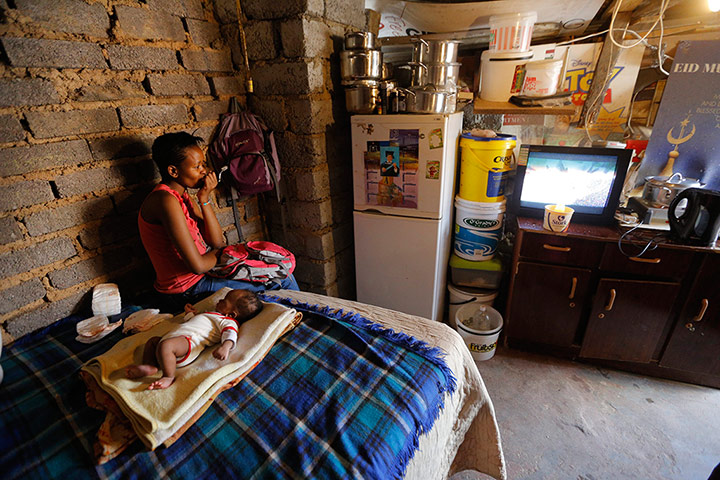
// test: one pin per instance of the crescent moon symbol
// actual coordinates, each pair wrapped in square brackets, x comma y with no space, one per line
[677,141]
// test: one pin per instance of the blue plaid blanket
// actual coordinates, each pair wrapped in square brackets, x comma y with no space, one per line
[337,397]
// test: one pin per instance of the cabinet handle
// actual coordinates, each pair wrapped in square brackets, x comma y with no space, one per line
[645,260]
[572,289]
[557,249]
[611,302]
[701,313]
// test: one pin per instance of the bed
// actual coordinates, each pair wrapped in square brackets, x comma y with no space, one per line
[402,399]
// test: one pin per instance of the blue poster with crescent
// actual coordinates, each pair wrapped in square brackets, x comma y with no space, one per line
[686,134]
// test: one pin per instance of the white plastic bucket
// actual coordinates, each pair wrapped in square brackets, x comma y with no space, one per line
[511,32]
[460,296]
[478,228]
[541,77]
[501,74]
[481,343]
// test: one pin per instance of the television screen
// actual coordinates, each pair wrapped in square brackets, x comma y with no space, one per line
[587,179]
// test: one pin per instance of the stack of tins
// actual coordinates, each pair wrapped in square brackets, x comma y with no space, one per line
[485,163]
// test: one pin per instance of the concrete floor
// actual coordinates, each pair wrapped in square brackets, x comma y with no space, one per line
[565,420]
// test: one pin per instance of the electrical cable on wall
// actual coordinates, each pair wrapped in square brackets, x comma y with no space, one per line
[663,7]
[642,39]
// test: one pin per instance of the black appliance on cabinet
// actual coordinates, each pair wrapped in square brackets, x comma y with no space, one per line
[694,216]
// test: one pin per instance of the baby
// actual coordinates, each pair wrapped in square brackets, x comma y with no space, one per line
[181,346]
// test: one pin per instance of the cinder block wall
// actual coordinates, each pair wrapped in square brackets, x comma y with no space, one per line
[293,48]
[85,87]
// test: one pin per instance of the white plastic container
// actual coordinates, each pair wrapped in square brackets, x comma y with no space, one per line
[541,77]
[501,74]
[460,296]
[478,229]
[511,32]
[480,340]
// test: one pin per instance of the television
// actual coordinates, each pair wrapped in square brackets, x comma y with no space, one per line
[589,180]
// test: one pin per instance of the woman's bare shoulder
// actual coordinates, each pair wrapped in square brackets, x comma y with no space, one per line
[158,204]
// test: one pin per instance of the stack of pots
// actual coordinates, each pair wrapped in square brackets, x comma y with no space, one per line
[433,76]
[363,72]
[485,163]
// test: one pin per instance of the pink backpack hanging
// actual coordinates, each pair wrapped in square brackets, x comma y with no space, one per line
[245,147]
[257,262]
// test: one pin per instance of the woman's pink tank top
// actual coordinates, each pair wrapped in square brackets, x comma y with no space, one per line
[173,275]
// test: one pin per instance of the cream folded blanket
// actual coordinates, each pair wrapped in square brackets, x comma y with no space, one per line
[157,414]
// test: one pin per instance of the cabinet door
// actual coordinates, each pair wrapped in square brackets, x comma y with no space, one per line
[547,302]
[694,345]
[627,319]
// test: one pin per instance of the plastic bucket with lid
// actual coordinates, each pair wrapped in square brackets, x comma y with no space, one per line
[485,163]
[459,296]
[541,77]
[480,327]
[501,74]
[478,229]
[512,31]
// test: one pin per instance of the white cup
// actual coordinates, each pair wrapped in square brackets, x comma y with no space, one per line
[557,218]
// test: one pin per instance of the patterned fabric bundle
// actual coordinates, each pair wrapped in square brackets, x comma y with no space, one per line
[258,262]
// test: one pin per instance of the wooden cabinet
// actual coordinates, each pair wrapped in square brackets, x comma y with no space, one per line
[580,295]
[694,344]
[627,319]
[548,309]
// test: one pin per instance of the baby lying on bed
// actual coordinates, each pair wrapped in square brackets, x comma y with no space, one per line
[183,345]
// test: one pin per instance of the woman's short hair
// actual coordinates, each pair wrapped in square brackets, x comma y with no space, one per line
[169,149]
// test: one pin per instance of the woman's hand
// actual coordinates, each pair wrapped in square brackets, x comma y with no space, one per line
[209,184]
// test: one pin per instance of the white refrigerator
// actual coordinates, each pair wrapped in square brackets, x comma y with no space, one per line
[404,183]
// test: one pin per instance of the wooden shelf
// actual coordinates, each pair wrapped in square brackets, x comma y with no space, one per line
[483,106]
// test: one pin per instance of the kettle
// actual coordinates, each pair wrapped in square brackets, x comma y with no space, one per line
[694,216]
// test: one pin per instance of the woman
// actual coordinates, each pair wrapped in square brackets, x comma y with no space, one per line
[182,238]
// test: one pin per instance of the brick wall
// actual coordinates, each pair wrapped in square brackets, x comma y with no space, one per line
[293,48]
[85,87]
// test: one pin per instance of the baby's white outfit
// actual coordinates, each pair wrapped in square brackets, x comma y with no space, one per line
[202,330]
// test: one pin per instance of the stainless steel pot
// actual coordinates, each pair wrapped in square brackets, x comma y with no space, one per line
[364,82]
[659,191]
[387,71]
[443,74]
[427,99]
[418,74]
[398,100]
[361,64]
[360,41]
[362,98]
[435,51]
